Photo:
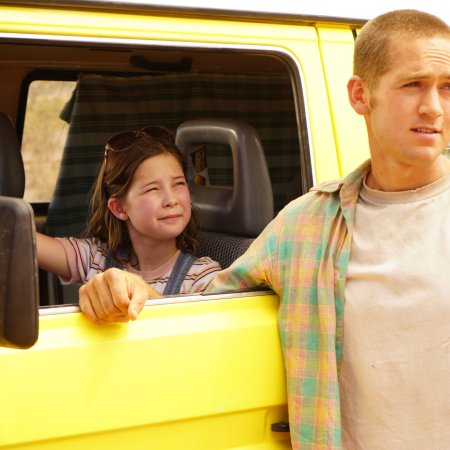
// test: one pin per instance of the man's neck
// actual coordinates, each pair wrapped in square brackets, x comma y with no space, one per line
[407,178]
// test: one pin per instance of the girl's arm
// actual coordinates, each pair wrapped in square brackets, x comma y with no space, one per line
[51,256]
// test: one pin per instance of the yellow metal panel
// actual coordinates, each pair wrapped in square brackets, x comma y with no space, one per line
[320,125]
[202,375]
[352,147]
[139,26]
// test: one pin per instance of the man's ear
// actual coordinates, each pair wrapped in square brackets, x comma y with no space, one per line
[116,207]
[358,95]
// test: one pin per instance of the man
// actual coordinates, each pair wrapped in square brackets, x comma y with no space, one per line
[370,372]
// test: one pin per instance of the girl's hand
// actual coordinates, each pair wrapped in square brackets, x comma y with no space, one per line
[114,296]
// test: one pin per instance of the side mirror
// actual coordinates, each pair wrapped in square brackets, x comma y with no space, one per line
[19,293]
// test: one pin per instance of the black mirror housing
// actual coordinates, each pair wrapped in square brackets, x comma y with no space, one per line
[19,288]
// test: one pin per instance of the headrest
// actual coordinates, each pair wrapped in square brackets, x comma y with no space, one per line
[12,174]
[247,207]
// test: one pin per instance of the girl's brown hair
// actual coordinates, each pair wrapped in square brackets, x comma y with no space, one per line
[124,152]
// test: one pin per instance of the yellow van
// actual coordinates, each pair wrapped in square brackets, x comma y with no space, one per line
[193,372]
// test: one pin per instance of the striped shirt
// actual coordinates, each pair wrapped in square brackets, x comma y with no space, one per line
[303,256]
[87,258]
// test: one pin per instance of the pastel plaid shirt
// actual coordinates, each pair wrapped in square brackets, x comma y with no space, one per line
[303,256]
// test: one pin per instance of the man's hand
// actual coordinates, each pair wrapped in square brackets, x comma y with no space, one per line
[114,296]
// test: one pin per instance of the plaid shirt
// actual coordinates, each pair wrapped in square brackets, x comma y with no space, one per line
[303,256]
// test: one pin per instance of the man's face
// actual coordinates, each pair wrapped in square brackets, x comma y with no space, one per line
[408,114]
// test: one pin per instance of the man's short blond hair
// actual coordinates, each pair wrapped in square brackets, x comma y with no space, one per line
[376,38]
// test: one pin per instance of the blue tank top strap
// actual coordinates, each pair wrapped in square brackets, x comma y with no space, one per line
[179,272]
[176,278]
[111,262]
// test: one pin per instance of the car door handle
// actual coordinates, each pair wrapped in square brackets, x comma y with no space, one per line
[280,427]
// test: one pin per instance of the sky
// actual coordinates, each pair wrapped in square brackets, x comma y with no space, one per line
[355,9]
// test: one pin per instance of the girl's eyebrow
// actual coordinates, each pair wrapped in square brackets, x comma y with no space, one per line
[175,178]
[147,184]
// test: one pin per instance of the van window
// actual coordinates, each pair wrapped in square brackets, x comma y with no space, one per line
[44,137]
[125,86]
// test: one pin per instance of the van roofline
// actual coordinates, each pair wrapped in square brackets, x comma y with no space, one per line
[194,9]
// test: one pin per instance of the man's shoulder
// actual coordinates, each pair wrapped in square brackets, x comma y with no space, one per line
[314,197]
[328,186]
[325,198]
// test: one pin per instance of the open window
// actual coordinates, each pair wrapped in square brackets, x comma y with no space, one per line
[119,86]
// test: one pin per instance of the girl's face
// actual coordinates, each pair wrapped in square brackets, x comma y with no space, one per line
[157,206]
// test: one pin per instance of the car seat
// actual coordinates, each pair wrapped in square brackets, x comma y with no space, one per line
[12,173]
[231,216]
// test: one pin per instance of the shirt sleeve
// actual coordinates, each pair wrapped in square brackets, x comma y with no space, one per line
[85,257]
[253,268]
[200,275]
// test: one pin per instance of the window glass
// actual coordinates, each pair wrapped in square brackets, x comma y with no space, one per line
[44,137]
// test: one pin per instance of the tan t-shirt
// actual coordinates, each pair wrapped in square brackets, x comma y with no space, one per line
[395,374]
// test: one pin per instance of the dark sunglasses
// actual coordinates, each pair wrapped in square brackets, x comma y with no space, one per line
[121,142]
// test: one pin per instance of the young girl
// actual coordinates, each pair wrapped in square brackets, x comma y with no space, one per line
[141,220]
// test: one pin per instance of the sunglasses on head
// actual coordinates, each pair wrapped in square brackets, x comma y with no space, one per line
[121,142]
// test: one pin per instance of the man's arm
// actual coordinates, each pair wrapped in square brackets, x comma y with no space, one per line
[255,268]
